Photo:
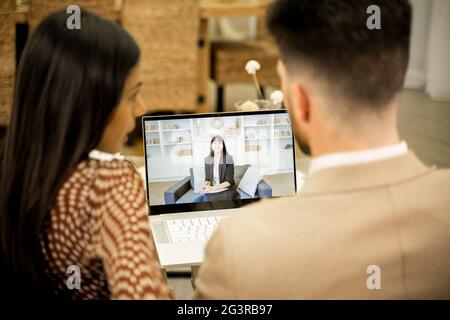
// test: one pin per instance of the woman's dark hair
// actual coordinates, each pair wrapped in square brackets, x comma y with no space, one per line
[68,85]
[224,151]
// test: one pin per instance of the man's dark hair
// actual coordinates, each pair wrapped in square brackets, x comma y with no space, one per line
[331,37]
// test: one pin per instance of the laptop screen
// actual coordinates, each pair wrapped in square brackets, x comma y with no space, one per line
[217,161]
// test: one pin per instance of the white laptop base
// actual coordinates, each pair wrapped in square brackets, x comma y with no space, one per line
[181,238]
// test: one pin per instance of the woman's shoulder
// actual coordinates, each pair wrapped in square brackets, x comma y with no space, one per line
[111,170]
[92,183]
[209,159]
[95,183]
[102,173]
[93,166]
[229,159]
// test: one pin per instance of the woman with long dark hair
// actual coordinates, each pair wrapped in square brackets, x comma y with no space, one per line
[73,212]
[219,174]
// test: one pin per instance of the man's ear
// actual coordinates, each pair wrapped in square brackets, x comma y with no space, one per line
[301,103]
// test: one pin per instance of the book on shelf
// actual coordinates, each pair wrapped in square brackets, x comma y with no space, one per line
[263,122]
[153,141]
[179,140]
[151,127]
[184,153]
[171,126]
[252,148]
[282,121]
[282,134]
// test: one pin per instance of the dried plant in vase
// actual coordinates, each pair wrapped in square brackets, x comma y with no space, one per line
[276,98]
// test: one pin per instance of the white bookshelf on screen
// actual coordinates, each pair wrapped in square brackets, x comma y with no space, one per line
[268,143]
[175,146]
[169,148]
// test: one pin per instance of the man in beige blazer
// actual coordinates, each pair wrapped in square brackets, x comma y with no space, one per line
[372,221]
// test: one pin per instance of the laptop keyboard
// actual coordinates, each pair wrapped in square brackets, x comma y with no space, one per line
[192,229]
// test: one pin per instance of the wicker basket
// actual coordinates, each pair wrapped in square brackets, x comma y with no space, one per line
[167,33]
[229,59]
[7,58]
[39,9]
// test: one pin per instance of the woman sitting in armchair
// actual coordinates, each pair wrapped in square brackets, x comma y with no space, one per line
[219,174]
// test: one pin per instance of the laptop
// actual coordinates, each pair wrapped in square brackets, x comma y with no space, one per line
[258,155]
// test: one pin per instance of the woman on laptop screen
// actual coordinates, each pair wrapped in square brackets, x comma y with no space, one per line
[219,174]
[73,212]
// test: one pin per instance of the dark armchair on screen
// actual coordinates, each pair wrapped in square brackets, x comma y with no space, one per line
[183,190]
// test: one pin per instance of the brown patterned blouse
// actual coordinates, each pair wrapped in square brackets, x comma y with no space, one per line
[99,223]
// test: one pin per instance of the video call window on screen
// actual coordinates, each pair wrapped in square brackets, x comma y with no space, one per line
[256,159]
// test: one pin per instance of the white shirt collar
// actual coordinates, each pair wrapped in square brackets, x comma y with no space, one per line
[105,156]
[357,157]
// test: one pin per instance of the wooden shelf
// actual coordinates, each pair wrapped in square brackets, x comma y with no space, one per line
[260,151]
[176,143]
[171,130]
[257,125]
